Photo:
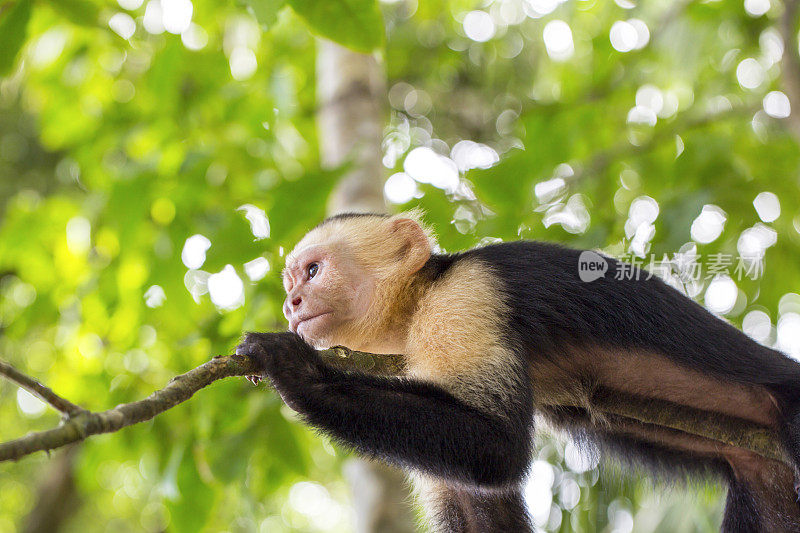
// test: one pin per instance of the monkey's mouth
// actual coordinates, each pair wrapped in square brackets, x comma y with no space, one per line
[294,324]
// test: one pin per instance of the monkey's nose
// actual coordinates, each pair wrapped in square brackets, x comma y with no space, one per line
[296,301]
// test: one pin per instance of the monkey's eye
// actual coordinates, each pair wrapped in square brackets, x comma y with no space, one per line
[312,269]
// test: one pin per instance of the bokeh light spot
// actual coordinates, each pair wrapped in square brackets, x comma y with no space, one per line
[750,74]
[194,251]
[756,8]
[154,296]
[122,24]
[721,295]
[400,188]
[225,288]
[176,15]
[623,36]
[708,225]
[557,36]
[479,26]
[257,268]
[767,206]
[776,104]
[29,404]
[259,224]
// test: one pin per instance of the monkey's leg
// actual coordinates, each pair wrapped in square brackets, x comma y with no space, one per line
[458,510]
[760,496]
[790,433]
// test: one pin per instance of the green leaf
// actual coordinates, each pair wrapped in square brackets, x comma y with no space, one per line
[356,24]
[81,12]
[265,11]
[13,27]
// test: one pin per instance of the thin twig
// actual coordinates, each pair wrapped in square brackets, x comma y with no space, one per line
[42,392]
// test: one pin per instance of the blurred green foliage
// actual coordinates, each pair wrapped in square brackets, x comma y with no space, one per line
[126,129]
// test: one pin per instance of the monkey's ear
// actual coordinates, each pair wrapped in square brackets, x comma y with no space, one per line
[415,246]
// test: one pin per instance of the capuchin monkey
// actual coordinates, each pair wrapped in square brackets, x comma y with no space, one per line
[491,335]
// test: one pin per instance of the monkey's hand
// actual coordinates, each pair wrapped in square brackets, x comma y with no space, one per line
[286,360]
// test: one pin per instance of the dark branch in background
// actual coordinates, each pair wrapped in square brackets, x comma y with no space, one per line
[82,424]
[790,64]
[37,389]
[598,163]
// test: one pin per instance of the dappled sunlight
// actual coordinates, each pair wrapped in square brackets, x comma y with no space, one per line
[225,288]
[776,104]
[194,251]
[788,325]
[176,15]
[753,242]
[259,224]
[708,225]
[767,206]
[257,268]
[130,5]
[426,166]
[573,215]
[720,296]
[469,154]
[154,296]
[756,8]
[640,228]
[628,35]
[153,20]
[539,491]
[122,24]
[539,8]
[400,188]
[479,26]
[557,37]
[241,39]
[314,504]
[29,404]
[757,324]
[750,73]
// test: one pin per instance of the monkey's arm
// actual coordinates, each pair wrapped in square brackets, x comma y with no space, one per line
[413,423]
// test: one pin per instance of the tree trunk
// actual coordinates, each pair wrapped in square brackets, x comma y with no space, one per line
[790,64]
[351,91]
[57,496]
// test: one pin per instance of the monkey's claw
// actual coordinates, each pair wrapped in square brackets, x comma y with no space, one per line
[255,380]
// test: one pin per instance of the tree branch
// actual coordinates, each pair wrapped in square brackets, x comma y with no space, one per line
[78,425]
[40,391]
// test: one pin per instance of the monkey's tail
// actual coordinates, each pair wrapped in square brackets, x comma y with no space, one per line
[761,497]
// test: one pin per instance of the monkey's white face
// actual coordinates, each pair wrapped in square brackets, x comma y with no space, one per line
[326,292]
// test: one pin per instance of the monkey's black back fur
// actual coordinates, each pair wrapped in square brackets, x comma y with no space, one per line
[551,304]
